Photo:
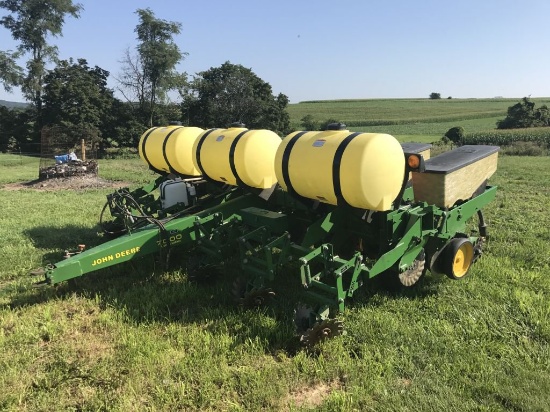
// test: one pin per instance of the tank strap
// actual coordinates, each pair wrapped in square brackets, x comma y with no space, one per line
[172,170]
[199,146]
[144,153]
[336,167]
[232,159]
[285,161]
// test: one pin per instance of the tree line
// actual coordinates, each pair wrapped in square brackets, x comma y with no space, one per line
[73,93]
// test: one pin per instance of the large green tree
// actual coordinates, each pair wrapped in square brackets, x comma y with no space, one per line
[16,127]
[524,114]
[10,72]
[77,95]
[31,22]
[150,74]
[232,93]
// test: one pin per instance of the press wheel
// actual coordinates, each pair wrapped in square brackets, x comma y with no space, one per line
[459,256]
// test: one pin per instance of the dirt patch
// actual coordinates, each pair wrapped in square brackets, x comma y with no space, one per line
[311,396]
[73,182]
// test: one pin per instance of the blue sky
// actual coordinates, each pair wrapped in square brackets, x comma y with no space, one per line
[337,49]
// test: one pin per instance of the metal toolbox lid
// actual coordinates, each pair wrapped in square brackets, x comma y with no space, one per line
[456,159]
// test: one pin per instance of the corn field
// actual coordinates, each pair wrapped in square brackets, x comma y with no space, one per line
[506,137]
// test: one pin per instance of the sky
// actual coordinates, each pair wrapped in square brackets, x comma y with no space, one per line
[346,49]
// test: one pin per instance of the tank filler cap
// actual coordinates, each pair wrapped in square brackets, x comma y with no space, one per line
[240,125]
[336,126]
[174,123]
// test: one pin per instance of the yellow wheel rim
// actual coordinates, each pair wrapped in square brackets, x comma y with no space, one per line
[463,259]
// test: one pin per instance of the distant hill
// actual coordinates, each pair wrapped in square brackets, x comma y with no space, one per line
[13,105]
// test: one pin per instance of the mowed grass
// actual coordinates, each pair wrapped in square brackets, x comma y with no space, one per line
[136,338]
[16,168]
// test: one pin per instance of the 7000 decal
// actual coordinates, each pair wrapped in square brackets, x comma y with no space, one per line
[170,240]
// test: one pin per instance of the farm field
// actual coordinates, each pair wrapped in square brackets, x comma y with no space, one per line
[426,119]
[136,338]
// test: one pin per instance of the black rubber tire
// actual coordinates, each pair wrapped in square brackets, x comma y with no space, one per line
[458,258]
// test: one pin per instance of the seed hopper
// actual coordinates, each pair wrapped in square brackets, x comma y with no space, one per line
[330,209]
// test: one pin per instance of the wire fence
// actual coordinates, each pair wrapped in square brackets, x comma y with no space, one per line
[8,161]
[12,157]
[61,152]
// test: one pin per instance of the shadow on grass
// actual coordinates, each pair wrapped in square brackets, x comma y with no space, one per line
[145,292]
[426,286]
[54,238]
[65,237]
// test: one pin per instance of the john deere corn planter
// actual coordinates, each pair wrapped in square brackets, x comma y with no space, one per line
[335,207]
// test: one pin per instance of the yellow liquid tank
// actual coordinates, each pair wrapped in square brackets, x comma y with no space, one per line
[169,149]
[237,156]
[364,170]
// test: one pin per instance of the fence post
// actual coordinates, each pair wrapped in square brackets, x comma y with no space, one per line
[83,146]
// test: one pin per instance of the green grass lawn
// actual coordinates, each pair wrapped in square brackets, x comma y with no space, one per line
[135,338]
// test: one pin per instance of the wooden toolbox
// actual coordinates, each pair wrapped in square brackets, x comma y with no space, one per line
[455,175]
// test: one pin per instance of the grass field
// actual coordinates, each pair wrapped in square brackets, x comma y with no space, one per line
[135,338]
